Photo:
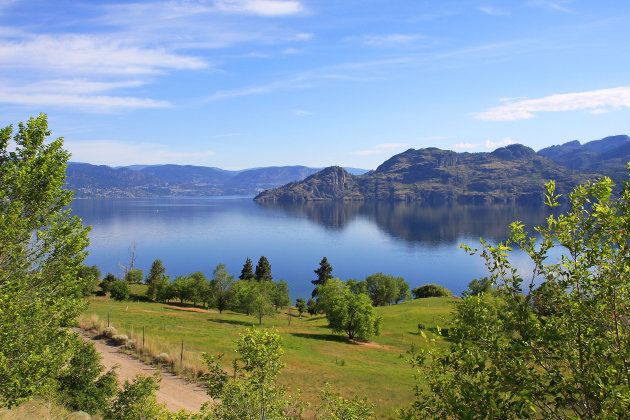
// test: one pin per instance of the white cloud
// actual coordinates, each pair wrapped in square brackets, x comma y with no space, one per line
[492,11]
[260,7]
[391,40]
[558,5]
[466,145]
[119,153]
[390,145]
[302,113]
[495,144]
[603,99]
[83,94]
[85,54]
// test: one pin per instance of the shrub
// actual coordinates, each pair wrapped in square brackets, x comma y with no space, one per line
[119,290]
[137,400]
[163,358]
[430,290]
[120,339]
[109,332]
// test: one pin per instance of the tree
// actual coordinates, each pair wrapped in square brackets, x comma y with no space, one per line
[262,302]
[243,293]
[82,385]
[569,360]
[164,290]
[384,289]
[353,315]
[403,290]
[357,286]
[134,276]
[311,307]
[183,288]
[263,270]
[90,276]
[326,292]
[221,286]
[42,247]
[137,401]
[281,295]
[154,277]
[324,273]
[478,286]
[430,290]
[300,305]
[107,281]
[119,290]
[201,287]
[247,273]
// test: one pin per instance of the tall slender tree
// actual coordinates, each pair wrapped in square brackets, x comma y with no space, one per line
[247,273]
[324,273]
[263,270]
[154,277]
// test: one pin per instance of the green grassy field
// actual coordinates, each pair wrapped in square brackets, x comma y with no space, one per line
[313,354]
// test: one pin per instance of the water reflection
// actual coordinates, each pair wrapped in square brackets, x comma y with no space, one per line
[418,223]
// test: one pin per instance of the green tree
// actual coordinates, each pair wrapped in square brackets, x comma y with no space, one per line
[183,288]
[479,286]
[221,287]
[263,270]
[357,286]
[107,281]
[243,293]
[134,276]
[383,289]
[300,305]
[200,288]
[119,290]
[327,292]
[154,277]
[353,315]
[281,295]
[90,276]
[137,401]
[82,385]
[42,247]
[430,290]
[247,273]
[569,360]
[335,407]
[311,307]
[164,290]
[252,392]
[324,273]
[403,290]
[262,303]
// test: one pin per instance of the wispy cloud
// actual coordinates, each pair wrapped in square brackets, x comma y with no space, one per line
[596,100]
[87,54]
[261,7]
[119,153]
[558,5]
[466,146]
[379,149]
[493,11]
[81,94]
[302,112]
[500,143]
[392,40]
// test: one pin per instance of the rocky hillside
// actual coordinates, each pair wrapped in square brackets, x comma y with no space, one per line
[510,174]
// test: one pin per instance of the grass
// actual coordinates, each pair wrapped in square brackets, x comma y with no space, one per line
[313,354]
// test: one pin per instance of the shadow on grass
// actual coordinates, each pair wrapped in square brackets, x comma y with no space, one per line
[325,337]
[232,322]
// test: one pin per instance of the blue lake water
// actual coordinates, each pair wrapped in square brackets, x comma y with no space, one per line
[419,243]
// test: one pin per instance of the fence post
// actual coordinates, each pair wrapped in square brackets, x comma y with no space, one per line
[143,338]
[181,357]
[107,319]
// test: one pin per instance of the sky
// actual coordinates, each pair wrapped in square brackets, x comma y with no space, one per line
[248,83]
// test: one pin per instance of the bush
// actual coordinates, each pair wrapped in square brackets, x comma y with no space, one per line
[163,358]
[120,339]
[430,290]
[109,332]
[119,290]
[137,400]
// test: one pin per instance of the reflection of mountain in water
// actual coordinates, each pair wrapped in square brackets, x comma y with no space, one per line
[413,222]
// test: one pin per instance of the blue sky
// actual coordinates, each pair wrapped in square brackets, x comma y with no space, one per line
[247,83]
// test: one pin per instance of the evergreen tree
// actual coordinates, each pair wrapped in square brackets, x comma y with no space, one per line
[263,270]
[324,272]
[154,277]
[247,273]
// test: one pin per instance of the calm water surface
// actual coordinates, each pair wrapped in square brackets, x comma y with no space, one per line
[416,242]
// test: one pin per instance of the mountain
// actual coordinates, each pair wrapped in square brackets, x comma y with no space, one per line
[609,155]
[176,180]
[510,174]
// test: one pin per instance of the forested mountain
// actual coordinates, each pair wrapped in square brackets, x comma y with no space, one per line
[510,174]
[176,180]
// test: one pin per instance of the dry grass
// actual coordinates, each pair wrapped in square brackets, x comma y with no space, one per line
[38,408]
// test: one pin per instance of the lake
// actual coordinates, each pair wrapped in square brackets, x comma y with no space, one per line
[419,243]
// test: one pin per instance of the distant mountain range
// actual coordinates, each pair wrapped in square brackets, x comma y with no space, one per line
[509,174]
[178,180]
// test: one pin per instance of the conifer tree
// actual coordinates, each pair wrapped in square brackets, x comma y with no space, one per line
[324,272]
[247,273]
[263,270]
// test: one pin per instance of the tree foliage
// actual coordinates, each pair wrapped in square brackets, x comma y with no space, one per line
[119,290]
[155,276]
[221,288]
[324,273]
[134,276]
[479,286]
[430,290]
[561,350]
[90,277]
[263,270]
[42,248]
[247,273]
[384,289]
[300,305]
[353,315]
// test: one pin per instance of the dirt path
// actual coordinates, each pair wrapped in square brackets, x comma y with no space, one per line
[174,391]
